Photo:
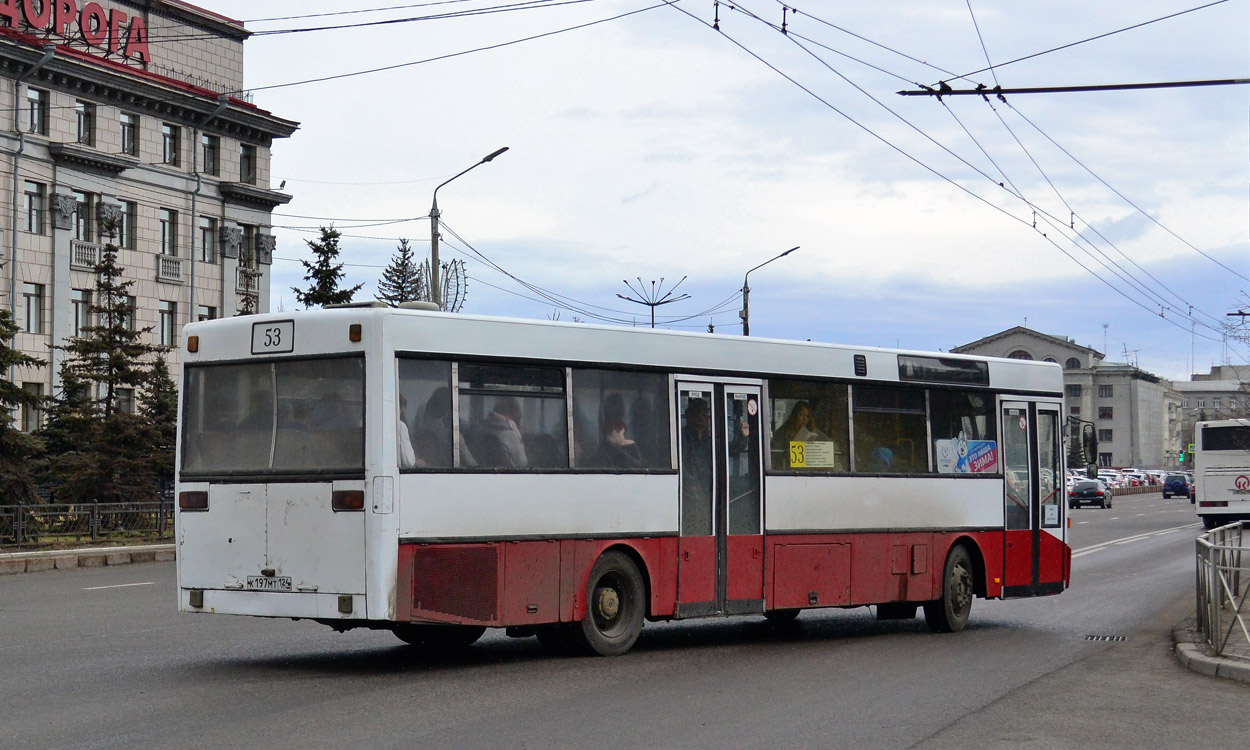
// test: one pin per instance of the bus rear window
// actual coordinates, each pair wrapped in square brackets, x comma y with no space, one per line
[287,417]
[1228,438]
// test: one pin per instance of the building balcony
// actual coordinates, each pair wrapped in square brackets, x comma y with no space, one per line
[246,281]
[169,268]
[83,256]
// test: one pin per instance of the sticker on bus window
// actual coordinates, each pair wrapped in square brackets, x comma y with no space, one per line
[1052,515]
[274,337]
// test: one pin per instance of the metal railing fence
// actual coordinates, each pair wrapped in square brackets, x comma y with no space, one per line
[53,525]
[1223,586]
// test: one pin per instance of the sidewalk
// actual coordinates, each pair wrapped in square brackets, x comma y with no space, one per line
[1195,653]
[60,559]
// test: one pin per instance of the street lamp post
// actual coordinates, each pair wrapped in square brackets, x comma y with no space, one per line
[745,314]
[435,296]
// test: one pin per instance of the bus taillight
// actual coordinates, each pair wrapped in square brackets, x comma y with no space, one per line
[348,500]
[193,500]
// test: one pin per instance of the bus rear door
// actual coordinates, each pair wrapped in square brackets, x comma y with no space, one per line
[721,566]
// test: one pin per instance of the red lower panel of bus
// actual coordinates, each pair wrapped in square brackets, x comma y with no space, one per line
[532,582]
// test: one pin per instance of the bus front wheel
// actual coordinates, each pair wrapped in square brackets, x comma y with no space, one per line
[949,614]
[616,605]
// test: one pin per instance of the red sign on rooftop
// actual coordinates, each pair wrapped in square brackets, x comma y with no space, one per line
[112,31]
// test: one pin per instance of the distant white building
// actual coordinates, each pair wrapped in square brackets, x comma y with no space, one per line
[1137,415]
[1219,394]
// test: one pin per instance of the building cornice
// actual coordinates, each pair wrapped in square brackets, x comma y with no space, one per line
[250,195]
[89,159]
[1053,340]
[121,85]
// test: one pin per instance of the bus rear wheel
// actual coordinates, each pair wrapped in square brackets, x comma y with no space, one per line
[616,605]
[949,614]
[438,636]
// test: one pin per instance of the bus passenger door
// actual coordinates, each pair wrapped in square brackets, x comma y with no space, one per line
[721,550]
[1033,499]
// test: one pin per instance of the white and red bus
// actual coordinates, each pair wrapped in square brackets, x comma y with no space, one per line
[437,475]
[1222,471]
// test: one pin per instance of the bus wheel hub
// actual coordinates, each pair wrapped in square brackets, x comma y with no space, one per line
[608,603]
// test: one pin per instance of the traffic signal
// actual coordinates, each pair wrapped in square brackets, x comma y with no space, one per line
[1182,456]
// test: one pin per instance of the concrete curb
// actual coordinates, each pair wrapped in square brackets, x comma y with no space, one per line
[12,563]
[1194,654]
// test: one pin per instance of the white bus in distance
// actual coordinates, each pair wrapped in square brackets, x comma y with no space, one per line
[437,475]
[1221,476]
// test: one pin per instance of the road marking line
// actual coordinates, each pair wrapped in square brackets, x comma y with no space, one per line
[1094,548]
[120,586]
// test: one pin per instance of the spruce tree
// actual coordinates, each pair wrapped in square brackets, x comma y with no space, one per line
[159,406]
[107,451]
[17,449]
[401,280]
[324,275]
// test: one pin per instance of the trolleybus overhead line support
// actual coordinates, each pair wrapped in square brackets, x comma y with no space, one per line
[944,89]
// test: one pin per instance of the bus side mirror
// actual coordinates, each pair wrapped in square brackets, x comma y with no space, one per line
[1089,441]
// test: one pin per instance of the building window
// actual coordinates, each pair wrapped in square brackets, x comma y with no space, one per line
[34,208]
[211,153]
[125,400]
[247,163]
[1104,436]
[1185,405]
[1072,364]
[1074,390]
[208,239]
[1074,411]
[1232,402]
[1217,402]
[85,112]
[32,416]
[1104,459]
[168,313]
[1202,403]
[128,317]
[32,294]
[1105,412]
[169,232]
[1020,354]
[247,251]
[37,111]
[1106,391]
[81,300]
[83,203]
[130,134]
[126,228]
[170,136]
[206,313]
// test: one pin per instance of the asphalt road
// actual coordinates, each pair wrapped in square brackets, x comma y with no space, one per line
[98,658]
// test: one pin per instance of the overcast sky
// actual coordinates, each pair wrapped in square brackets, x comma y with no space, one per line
[652,145]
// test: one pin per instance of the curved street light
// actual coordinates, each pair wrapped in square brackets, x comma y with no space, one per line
[745,314]
[434,214]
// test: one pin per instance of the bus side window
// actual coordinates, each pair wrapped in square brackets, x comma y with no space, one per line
[890,430]
[962,427]
[425,397]
[809,426]
[620,420]
[514,417]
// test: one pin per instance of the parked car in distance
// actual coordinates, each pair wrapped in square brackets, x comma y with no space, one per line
[1175,484]
[1089,492]
[1193,490]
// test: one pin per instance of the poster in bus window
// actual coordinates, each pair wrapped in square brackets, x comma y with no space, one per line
[960,455]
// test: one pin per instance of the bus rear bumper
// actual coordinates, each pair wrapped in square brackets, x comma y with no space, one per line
[272,604]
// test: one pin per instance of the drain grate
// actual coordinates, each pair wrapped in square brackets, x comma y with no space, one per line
[1106,637]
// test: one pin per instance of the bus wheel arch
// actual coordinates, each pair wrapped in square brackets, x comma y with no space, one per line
[616,604]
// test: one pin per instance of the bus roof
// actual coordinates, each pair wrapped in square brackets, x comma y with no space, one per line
[323,331]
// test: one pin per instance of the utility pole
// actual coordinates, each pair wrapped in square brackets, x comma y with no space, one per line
[746,292]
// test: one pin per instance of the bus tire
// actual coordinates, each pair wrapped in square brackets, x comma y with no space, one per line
[438,636]
[1210,522]
[949,614]
[615,607]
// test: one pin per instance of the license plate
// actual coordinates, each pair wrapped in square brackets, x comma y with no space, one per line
[267,583]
